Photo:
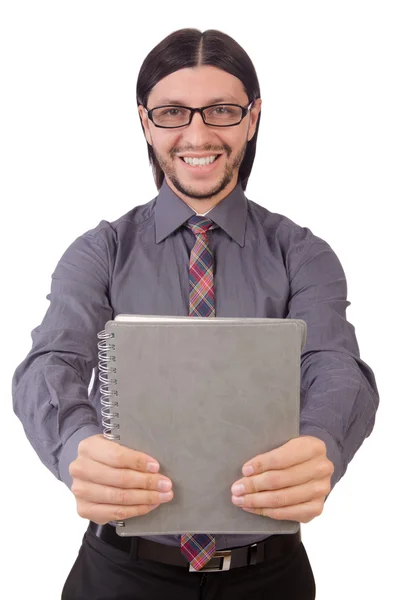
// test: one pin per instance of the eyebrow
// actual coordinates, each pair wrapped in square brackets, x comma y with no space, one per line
[174,102]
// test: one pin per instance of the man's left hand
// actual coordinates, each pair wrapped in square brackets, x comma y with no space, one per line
[290,482]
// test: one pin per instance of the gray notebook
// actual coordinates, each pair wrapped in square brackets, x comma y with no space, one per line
[202,396]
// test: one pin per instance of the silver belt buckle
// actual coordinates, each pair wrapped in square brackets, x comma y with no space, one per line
[226,556]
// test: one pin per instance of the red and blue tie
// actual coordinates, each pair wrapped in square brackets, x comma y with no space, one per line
[199,548]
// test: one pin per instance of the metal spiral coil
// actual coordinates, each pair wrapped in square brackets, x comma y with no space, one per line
[105,358]
[108,404]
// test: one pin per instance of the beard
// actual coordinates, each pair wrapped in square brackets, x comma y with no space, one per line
[169,171]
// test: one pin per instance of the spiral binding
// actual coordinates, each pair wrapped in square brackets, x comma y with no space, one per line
[105,358]
[105,371]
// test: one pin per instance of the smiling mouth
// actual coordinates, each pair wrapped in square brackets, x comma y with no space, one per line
[197,162]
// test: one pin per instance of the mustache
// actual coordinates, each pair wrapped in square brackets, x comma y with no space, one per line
[216,150]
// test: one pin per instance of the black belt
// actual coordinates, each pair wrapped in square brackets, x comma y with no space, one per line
[270,549]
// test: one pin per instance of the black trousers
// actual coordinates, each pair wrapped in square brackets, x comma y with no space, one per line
[102,572]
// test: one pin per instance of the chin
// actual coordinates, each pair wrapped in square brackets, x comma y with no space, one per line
[202,189]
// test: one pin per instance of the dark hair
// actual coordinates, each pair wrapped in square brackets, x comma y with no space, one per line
[191,48]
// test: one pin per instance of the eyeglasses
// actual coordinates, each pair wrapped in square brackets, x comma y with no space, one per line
[216,115]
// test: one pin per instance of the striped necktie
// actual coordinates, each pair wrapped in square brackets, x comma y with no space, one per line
[198,548]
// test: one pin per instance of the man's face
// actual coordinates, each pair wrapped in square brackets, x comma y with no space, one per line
[197,87]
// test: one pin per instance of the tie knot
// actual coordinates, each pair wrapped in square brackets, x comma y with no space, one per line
[199,224]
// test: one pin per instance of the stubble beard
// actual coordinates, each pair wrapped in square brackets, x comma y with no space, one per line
[189,191]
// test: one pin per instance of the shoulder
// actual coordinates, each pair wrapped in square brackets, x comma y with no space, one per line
[276,222]
[95,250]
[111,232]
[280,227]
[296,243]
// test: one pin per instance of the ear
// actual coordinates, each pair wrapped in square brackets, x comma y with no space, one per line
[145,123]
[253,116]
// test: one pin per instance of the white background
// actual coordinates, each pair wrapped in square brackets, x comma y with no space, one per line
[73,153]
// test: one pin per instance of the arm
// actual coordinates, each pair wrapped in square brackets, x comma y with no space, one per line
[50,392]
[50,387]
[339,397]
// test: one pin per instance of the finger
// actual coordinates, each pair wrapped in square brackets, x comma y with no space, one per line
[103,513]
[316,468]
[101,494]
[303,513]
[91,470]
[294,452]
[115,455]
[284,497]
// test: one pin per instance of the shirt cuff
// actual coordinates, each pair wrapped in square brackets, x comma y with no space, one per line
[334,453]
[69,451]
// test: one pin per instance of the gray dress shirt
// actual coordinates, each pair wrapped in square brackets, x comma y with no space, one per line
[265,266]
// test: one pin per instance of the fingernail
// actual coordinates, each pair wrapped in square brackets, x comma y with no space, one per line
[238,489]
[153,467]
[248,470]
[238,500]
[164,485]
[165,497]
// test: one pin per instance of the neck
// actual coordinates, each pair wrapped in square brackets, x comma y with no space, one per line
[202,205]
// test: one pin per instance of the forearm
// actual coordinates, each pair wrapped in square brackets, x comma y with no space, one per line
[339,397]
[51,401]
[50,387]
[338,405]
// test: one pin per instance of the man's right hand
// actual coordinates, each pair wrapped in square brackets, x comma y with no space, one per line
[112,482]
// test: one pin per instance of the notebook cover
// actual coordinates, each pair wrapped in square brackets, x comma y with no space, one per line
[203,396]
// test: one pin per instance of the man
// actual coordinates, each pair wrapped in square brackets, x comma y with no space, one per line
[199,248]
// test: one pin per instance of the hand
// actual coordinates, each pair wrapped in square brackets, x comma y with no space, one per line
[290,482]
[112,482]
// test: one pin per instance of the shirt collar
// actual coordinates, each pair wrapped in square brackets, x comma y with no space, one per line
[230,214]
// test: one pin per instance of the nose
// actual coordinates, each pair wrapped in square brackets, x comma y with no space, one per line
[197,133]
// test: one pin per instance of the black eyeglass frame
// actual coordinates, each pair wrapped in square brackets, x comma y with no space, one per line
[244,111]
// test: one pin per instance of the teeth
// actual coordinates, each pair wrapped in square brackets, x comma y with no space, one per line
[199,161]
